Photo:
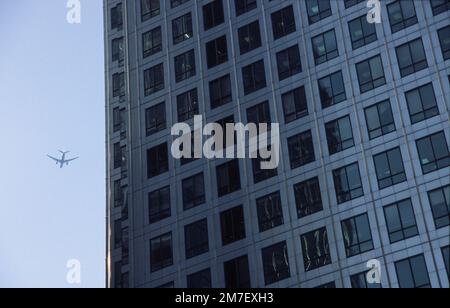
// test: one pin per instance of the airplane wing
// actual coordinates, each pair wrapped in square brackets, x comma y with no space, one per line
[55,159]
[72,159]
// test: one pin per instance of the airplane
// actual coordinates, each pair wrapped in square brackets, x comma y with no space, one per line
[63,161]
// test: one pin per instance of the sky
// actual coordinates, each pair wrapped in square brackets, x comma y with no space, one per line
[51,98]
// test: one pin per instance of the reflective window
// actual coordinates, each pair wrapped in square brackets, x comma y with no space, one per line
[270,213]
[157,161]
[411,57]
[185,66]
[316,250]
[325,47]
[357,235]
[361,32]
[154,79]
[295,105]
[379,119]
[389,168]
[332,89]
[412,273]
[439,6]
[370,74]
[249,37]
[228,178]
[283,22]
[220,91]
[200,280]
[233,225]
[440,206]
[213,14]
[422,103]
[155,119]
[318,10]
[289,63]
[117,49]
[152,42]
[359,281]
[187,105]
[117,17]
[149,9]
[402,14]
[217,52]
[308,197]
[196,238]
[347,183]
[446,255]
[339,135]
[159,204]
[350,3]
[433,152]
[182,29]
[276,263]
[400,221]
[161,252]
[244,6]
[237,273]
[118,83]
[444,39]
[301,150]
[254,76]
[193,191]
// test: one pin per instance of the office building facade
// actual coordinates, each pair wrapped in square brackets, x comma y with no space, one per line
[364,172]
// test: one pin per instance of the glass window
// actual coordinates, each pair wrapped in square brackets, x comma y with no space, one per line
[379,119]
[270,213]
[185,66]
[389,168]
[159,204]
[152,42]
[193,191]
[357,235]
[228,178]
[444,39]
[433,152]
[359,281]
[332,89]
[422,103]
[237,273]
[155,119]
[318,10]
[220,91]
[361,32]
[301,150]
[308,197]
[154,79]
[254,76]
[412,273]
[402,14]
[370,74]
[175,3]
[276,263]
[411,57]
[350,3]
[161,252]
[295,105]
[182,29]
[446,255]
[339,135]
[157,161]
[117,49]
[196,238]
[117,17]
[289,63]
[233,225]
[244,6]
[347,183]
[118,234]
[119,194]
[149,9]
[401,221]
[316,250]
[217,52]
[325,47]
[259,174]
[249,37]
[283,22]
[213,14]
[440,206]
[118,81]
[200,280]
[439,6]
[187,105]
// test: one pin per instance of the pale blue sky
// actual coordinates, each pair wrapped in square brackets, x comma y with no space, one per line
[52,97]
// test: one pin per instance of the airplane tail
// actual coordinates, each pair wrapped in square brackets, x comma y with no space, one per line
[64,152]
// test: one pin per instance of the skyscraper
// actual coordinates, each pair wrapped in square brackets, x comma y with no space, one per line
[365,164]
